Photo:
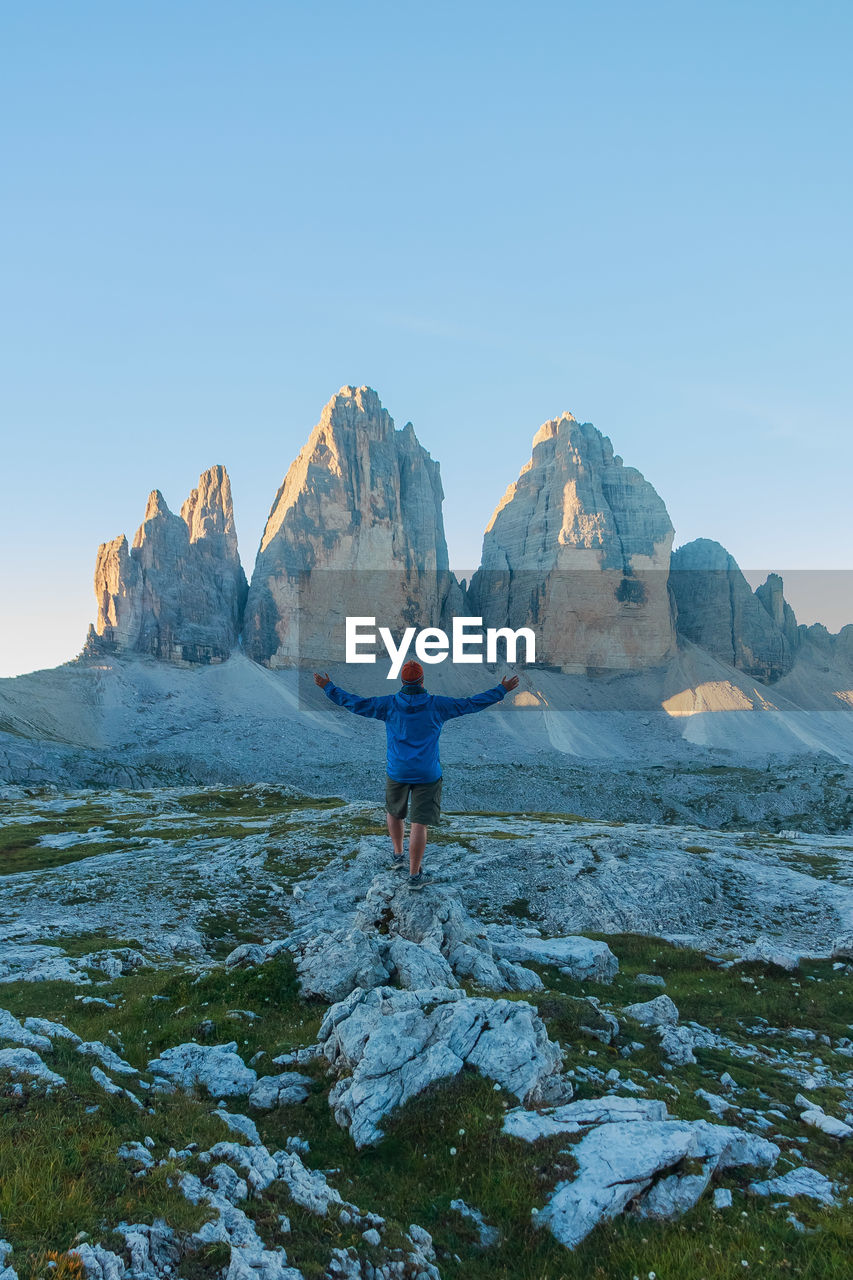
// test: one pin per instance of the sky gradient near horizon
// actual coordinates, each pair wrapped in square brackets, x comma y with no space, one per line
[216,215]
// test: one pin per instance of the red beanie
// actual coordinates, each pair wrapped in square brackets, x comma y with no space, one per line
[412,673]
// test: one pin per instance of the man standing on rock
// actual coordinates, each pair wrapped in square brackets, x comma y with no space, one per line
[413,723]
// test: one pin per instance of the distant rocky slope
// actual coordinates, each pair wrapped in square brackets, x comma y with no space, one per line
[578,549]
[178,593]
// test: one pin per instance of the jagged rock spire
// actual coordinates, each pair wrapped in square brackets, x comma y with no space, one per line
[178,592]
[363,502]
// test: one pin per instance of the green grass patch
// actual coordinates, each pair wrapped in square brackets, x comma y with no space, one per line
[254,802]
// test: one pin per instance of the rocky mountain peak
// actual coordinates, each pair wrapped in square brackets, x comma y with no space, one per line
[550,430]
[208,512]
[361,498]
[178,593]
[578,549]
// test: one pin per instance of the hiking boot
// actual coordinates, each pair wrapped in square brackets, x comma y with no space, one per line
[417,882]
[397,861]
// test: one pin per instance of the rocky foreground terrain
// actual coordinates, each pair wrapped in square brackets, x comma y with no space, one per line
[233,1043]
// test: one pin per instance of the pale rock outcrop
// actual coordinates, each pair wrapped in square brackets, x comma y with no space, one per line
[718,610]
[332,964]
[224,1190]
[580,1116]
[388,1045]
[815,1116]
[286,1089]
[584,959]
[422,940]
[618,1163]
[578,550]
[660,1012]
[355,529]
[798,1182]
[238,1123]
[12,1029]
[218,1068]
[488,1235]
[107,1057]
[677,1044]
[114,1090]
[117,962]
[250,1259]
[27,1063]
[769,951]
[99,1263]
[179,592]
[136,1153]
[842,946]
[39,962]
[154,1249]
[51,1030]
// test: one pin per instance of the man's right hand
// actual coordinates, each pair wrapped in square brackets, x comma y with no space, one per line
[322,681]
[510,683]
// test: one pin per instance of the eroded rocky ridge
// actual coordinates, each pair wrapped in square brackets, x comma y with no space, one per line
[355,528]
[578,549]
[179,591]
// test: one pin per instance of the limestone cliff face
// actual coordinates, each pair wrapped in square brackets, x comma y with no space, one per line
[578,549]
[179,592]
[717,609]
[355,529]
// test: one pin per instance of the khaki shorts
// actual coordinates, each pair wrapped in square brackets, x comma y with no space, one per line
[426,800]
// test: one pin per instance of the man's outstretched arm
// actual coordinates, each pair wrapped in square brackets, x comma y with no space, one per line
[450,708]
[373,708]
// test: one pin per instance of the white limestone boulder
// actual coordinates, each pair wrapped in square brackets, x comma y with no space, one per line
[677,1044]
[617,1162]
[421,940]
[577,957]
[660,1012]
[18,1033]
[580,1115]
[52,1030]
[798,1182]
[27,1063]
[331,965]
[286,1089]
[217,1068]
[389,1045]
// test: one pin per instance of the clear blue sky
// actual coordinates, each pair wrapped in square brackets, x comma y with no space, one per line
[214,215]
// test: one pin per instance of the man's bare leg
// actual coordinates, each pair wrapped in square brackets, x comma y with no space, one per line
[395,831]
[417,844]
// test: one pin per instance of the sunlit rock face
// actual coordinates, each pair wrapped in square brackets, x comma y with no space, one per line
[756,632]
[578,549]
[355,530]
[179,591]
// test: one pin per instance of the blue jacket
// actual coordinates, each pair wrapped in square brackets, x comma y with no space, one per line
[413,723]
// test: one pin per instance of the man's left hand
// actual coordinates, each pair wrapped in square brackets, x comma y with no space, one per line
[322,681]
[510,683]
